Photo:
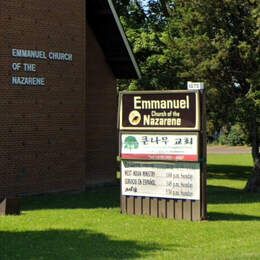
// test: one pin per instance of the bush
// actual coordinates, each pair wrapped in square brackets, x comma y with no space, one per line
[223,139]
[237,135]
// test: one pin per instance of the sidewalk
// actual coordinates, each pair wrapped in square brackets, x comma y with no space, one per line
[222,149]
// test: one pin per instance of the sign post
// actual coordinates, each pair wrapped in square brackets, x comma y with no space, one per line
[163,154]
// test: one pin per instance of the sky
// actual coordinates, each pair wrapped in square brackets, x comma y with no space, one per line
[144,2]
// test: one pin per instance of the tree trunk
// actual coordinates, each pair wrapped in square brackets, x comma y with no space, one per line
[166,8]
[253,184]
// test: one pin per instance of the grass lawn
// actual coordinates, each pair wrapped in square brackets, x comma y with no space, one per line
[89,225]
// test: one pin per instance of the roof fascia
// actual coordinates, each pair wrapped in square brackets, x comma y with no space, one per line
[123,35]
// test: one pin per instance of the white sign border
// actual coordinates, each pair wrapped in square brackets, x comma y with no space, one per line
[158,133]
[134,128]
[161,197]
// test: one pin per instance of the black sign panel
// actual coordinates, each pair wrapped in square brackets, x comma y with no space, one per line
[173,110]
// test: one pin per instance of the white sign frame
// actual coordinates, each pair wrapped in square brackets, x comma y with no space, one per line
[120,126]
[160,146]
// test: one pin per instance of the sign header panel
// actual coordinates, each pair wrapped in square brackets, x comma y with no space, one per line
[159,146]
[161,180]
[171,110]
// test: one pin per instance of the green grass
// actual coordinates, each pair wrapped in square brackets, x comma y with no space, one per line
[89,225]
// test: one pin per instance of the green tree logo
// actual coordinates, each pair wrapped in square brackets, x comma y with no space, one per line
[131,143]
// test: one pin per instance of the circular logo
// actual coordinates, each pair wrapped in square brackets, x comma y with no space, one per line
[134,117]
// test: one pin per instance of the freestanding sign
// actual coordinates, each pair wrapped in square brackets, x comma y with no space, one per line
[163,153]
[157,111]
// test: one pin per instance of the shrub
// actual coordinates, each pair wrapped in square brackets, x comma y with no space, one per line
[222,139]
[237,136]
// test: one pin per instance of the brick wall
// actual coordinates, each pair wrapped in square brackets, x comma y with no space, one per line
[43,129]
[101,111]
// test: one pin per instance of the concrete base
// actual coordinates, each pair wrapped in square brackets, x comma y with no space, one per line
[10,206]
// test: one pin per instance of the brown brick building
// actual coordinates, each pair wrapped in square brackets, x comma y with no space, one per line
[59,60]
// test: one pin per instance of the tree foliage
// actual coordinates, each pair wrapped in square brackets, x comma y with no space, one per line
[202,40]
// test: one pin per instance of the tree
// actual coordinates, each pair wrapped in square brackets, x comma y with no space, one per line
[219,44]
[202,40]
[147,34]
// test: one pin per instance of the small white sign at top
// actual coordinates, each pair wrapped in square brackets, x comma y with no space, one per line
[195,85]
